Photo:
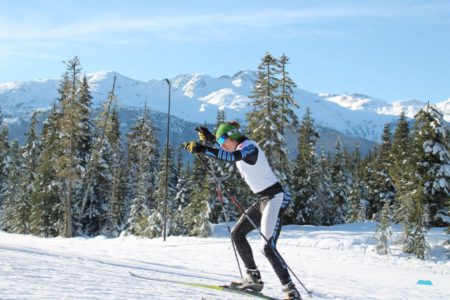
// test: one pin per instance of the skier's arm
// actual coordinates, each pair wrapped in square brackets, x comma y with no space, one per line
[249,154]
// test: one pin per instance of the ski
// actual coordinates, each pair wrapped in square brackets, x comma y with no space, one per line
[207,286]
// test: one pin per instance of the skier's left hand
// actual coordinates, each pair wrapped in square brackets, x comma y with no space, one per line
[194,147]
[205,135]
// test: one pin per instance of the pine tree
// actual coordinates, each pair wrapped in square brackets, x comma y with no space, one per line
[13,206]
[265,120]
[156,219]
[286,118]
[116,206]
[86,127]
[380,184]
[401,169]
[196,215]
[341,182]
[432,157]
[47,211]
[143,161]
[357,198]
[384,230]
[70,163]
[305,173]
[181,200]
[321,211]
[417,220]
[30,154]
[4,158]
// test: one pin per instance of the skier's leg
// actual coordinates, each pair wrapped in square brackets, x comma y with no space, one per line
[252,278]
[272,211]
[240,231]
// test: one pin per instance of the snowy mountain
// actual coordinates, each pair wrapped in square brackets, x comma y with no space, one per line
[363,102]
[196,98]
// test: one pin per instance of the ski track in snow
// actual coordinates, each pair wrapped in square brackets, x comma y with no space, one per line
[335,262]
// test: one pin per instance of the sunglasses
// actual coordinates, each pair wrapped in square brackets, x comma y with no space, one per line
[222,139]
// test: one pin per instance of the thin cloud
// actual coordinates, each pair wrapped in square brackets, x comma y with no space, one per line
[203,26]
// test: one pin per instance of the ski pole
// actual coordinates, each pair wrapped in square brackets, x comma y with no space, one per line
[239,206]
[227,219]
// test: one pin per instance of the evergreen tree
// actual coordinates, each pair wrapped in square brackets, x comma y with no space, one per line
[271,114]
[321,212]
[401,168]
[86,127]
[143,161]
[156,219]
[384,230]
[196,215]
[305,173]
[357,198]
[341,182]
[116,206]
[47,211]
[181,200]
[432,161]
[71,127]
[416,223]
[4,158]
[13,206]
[98,181]
[30,154]
[380,184]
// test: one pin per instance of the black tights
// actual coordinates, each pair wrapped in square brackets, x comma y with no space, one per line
[244,226]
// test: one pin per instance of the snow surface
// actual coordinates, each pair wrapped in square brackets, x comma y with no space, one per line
[337,262]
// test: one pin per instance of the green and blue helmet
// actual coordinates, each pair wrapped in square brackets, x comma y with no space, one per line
[228,130]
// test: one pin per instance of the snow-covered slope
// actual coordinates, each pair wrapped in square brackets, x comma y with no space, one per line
[196,98]
[362,102]
[337,262]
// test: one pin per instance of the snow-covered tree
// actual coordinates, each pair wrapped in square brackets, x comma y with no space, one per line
[47,217]
[401,165]
[71,130]
[380,186]
[305,173]
[143,159]
[30,157]
[98,180]
[13,205]
[384,230]
[196,215]
[341,182]
[115,219]
[322,203]
[358,204]
[272,112]
[4,158]
[181,200]
[432,161]
[156,218]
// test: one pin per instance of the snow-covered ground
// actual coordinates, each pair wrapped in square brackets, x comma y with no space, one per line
[336,262]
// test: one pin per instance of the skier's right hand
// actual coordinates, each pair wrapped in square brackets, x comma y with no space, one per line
[204,134]
[194,147]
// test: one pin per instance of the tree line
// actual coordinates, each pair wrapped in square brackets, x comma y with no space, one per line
[76,178]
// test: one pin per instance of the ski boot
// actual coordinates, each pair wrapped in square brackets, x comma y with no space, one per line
[290,292]
[251,281]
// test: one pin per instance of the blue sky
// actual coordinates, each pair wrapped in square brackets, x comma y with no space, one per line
[391,50]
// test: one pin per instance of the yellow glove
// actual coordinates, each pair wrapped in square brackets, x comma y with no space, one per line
[204,134]
[194,147]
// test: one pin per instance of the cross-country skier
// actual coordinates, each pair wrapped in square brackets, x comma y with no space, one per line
[266,212]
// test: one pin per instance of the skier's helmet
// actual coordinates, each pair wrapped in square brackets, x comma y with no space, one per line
[228,130]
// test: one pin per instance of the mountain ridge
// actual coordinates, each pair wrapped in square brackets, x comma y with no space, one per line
[197,97]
